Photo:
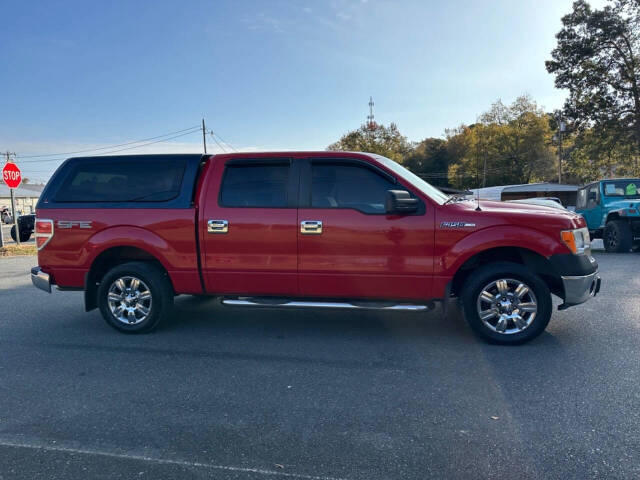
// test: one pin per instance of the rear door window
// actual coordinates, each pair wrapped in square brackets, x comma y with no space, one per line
[257,185]
[115,180]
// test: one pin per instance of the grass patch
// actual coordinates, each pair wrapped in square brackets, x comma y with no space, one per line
[15,250]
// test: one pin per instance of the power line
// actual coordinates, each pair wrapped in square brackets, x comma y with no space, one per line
[109,147]
[224,141]
[216,140]
[197,129]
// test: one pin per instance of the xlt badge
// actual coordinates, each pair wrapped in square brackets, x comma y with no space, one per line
[456,224]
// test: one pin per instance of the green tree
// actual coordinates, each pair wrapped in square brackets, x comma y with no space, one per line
[509,144]
[597,60]
[386,141]
[430,158]
[601,153]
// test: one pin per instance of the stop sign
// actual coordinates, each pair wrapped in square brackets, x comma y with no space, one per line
[11,175]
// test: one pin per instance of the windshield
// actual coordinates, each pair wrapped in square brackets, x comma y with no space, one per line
[425,187]
[623,188]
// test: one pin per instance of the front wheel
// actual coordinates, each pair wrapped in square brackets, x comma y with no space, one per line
[618,237]
[135,297]
[506,303]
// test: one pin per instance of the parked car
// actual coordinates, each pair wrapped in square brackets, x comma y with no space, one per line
[5,215]
[301,229]
[26,225]
[544,201]
[611,209]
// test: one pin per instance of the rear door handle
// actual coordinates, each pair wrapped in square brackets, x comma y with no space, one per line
[217,226]
[311,227]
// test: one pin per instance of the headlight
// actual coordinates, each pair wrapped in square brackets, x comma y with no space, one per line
[577,240]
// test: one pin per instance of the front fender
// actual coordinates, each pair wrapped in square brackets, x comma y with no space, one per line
[488,238]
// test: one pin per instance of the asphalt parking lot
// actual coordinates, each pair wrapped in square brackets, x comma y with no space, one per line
[234,392]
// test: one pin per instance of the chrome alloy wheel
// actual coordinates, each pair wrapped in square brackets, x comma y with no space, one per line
[129,300]
[507,306]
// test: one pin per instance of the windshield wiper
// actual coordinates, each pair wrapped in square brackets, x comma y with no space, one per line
[456,197]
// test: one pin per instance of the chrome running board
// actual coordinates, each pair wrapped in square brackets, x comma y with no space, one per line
[362,305]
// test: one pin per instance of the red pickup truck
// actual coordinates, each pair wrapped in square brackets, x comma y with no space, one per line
[301,229]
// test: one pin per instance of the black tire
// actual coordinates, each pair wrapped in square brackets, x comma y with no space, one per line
[158,284]
[492,272]
[618,237]
[24,234]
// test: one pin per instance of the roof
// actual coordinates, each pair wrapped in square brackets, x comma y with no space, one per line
[23,191]
[541,187]
[495,193]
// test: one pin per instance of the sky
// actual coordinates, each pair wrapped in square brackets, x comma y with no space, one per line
[266,75]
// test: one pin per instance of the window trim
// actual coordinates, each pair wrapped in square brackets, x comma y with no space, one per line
[293,180]
[182,200]
[306,184]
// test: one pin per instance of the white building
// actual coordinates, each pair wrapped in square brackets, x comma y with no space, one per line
[26,197]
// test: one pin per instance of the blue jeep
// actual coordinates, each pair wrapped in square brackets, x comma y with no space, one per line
[612,211]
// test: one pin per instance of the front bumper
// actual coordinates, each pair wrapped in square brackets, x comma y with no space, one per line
[40,279]
[578,289]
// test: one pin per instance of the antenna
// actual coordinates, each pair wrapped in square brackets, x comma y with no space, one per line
[478,209]
[370,120]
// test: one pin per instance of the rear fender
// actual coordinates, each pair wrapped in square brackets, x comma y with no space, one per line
[130,236]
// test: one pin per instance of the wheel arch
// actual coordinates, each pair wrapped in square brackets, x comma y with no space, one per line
[614,215]
[111,257]
[531,259]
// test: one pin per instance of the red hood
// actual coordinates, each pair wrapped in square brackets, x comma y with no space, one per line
[534,216]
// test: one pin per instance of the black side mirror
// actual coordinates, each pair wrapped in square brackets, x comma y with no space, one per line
[400,202]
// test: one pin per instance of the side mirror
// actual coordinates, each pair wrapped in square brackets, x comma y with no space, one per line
[400,202]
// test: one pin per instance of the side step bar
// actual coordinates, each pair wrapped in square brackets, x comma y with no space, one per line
[362,305]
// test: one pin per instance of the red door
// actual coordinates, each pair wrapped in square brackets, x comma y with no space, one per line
[354,249]
[248,227]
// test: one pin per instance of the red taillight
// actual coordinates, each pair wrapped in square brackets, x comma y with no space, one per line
[44,232]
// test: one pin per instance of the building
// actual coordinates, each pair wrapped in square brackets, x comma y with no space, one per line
[26,197]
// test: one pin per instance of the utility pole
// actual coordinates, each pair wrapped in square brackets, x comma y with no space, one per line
[14,213]
[561,129]
[204,136]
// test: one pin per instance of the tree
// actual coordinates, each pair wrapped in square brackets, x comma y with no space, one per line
[597,60]
[431,159]
[509,144]
[598,153]
[386,141]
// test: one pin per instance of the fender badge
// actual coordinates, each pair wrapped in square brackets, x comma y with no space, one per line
[74,223]
[456,224]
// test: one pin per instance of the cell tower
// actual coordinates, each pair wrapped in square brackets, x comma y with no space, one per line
[370,120]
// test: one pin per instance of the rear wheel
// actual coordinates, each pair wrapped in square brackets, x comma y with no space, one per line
[618,237]
[135,297]
[506,303]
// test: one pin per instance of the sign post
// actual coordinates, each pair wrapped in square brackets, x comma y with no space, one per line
[12,177]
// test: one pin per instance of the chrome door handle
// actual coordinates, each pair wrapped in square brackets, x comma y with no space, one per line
[217,226]
[311,227]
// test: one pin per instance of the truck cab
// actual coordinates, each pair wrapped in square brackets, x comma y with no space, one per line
[611,209]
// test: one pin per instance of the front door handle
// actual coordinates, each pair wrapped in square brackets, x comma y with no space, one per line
[217,226]
[311,227]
